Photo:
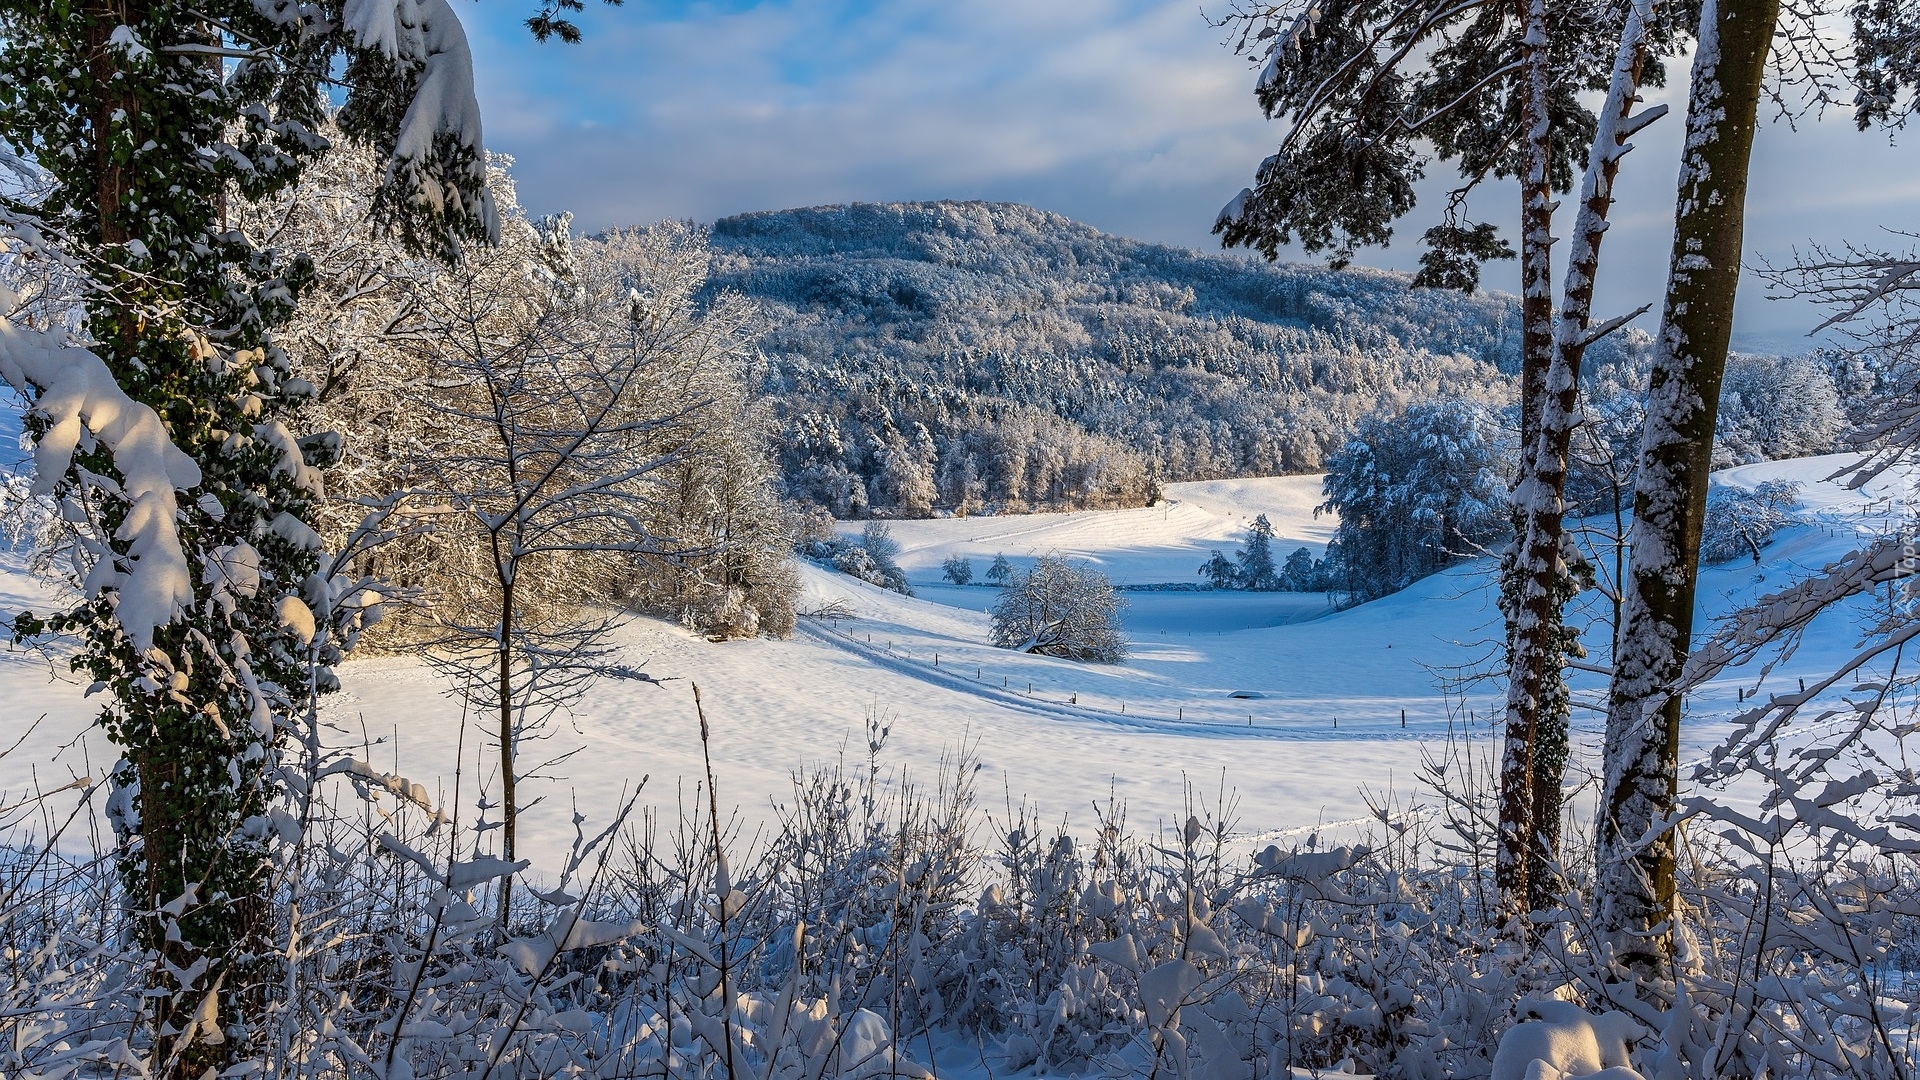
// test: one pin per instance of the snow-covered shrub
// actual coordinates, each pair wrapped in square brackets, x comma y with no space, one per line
[869,558]
[870,921]
[1060,608]
[957,569]
[1416,491]
[1570,1041]
[1740,522]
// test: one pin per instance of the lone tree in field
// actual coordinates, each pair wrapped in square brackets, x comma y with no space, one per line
[1000,571]
[1257,570]
[1060,608]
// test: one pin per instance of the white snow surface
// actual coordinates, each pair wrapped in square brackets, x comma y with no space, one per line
[1325,726]
[1566,1042]
[1163,543]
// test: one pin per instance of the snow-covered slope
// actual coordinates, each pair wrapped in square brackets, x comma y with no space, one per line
[1324,720]
[1166,542]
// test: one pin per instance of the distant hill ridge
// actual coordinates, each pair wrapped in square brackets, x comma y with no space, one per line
[967,355]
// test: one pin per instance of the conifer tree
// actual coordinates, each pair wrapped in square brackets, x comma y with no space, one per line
[1257,570]
[209,614]
[1220,572]
[1298,573]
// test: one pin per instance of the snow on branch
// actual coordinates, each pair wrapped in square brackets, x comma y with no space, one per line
[1776,623]
[437,167]
[1773,618]
[80,400]
[1851,281]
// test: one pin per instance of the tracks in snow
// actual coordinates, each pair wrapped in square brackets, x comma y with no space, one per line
[880,657]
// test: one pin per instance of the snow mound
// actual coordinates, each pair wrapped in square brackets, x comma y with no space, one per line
[1566,1041]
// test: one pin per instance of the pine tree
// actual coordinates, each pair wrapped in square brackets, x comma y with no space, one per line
[1257,570]
[1298,574]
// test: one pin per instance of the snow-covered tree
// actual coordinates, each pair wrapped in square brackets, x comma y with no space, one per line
[1220,572]
[957,569]
[1740,522]
[1300,574]
[1416,491]
[570,396]
[1257,570]
[727,535]
[1886,37]
[1774,407]
[1543,569]
[367,340]
[1636,852]
[903,481]
[1060,608]
[999,571]
[162,418]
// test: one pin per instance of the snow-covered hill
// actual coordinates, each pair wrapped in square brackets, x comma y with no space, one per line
[1321,719]
[1010,357]
[1166,542]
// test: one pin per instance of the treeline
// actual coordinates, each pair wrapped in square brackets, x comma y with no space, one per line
[1429,485]
[974,356]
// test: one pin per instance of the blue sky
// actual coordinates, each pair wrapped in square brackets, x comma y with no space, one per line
[1125,114]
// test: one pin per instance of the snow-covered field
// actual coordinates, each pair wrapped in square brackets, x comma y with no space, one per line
[1321,720]
[1157,544]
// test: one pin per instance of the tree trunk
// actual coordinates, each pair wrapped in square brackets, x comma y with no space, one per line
[1536,354]
[508,816]
[187,857]
[1635,856]
[1540,640]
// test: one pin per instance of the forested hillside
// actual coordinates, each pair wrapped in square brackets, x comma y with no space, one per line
[967,355]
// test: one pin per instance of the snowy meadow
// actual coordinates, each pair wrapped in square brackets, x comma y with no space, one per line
[878,640]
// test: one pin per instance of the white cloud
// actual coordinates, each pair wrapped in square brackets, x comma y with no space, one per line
[1126,114]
